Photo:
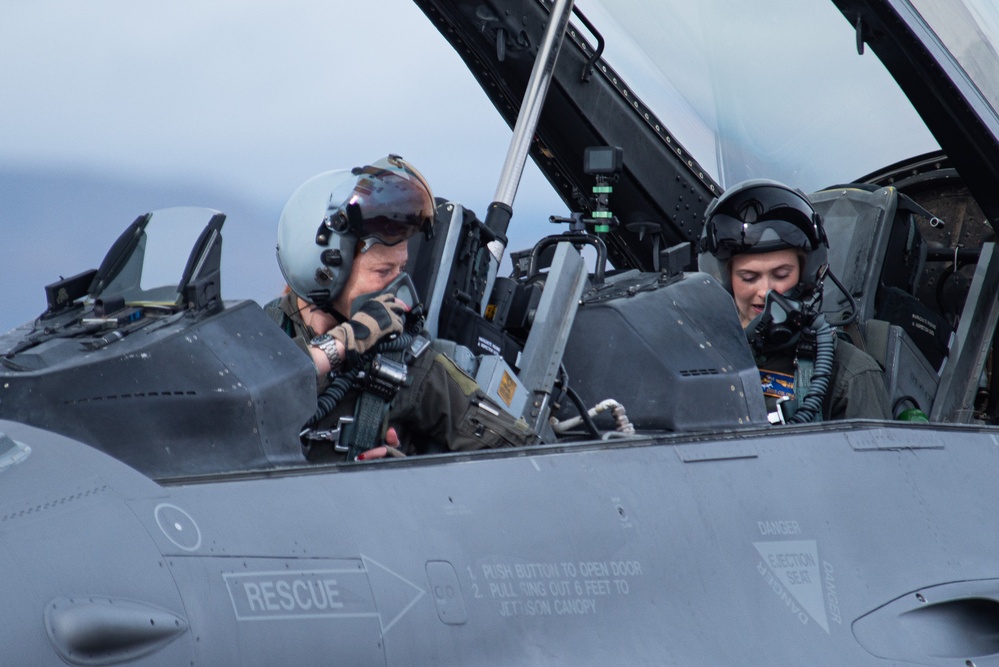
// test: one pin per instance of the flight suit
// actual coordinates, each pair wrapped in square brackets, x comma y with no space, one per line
[857,389]
[439,408]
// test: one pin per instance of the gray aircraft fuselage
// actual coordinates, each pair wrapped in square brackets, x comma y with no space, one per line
[653,551]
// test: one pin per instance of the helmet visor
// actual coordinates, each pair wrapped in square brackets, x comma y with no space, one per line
[733,236]
[388,205]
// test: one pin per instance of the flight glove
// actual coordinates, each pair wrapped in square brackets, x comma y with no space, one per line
[376,319]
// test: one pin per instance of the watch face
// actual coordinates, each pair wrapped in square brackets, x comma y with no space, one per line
[319,340]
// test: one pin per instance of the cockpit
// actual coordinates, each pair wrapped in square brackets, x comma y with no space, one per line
[158,370]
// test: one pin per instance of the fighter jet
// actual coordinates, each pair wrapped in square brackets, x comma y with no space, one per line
[157,507]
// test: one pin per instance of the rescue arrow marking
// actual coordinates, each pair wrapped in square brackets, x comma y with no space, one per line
[389,589]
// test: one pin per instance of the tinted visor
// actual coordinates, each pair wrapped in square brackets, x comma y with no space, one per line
[733,236]
[387,205]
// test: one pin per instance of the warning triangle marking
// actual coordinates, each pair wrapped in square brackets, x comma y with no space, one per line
[795,564]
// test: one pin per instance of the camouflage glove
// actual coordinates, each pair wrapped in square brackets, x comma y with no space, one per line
[377,319]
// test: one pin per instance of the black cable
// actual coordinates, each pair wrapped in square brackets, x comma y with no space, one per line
[853,303]
[945,275]
[332,395]
[344,382]
[591,426]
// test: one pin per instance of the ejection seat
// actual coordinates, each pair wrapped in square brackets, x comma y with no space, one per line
[430,259]
[879,254]
[449,270]
[450,275]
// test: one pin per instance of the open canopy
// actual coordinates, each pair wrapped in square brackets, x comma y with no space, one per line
[809,92]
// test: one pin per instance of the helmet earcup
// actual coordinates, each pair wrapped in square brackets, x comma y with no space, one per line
[315,259]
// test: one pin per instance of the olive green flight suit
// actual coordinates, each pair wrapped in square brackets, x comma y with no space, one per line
[439,408]
[857,389]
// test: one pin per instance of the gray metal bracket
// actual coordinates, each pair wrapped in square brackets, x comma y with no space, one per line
[959,378]
[542,355]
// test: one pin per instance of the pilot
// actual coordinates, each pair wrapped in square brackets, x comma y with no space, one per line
[343,248]
[766,244]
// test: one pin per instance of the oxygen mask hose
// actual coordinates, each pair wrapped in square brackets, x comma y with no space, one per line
[344,382]
[810,407]
[794,321]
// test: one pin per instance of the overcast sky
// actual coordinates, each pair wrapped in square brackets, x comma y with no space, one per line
[246,98]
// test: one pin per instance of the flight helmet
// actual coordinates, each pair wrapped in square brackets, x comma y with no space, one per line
[758,216]
[338,214]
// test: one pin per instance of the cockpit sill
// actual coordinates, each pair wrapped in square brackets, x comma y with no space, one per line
[863,435]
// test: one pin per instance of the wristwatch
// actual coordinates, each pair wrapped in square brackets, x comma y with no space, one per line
[327,344]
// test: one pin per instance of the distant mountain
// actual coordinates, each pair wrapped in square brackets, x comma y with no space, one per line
[59,223]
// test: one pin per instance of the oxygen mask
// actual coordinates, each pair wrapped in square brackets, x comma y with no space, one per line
[402,288]
[784,317]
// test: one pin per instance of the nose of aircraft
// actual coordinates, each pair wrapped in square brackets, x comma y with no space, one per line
[85,583]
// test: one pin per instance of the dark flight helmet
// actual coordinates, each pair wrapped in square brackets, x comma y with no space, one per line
[337,214]
[758,216]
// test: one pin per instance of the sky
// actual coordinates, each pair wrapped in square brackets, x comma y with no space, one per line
[113,108]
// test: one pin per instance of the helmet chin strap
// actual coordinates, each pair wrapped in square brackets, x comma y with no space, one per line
[328,308]
[321,300]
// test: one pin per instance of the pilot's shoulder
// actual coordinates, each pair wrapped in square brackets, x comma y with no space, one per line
[283,311]
[852,360]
